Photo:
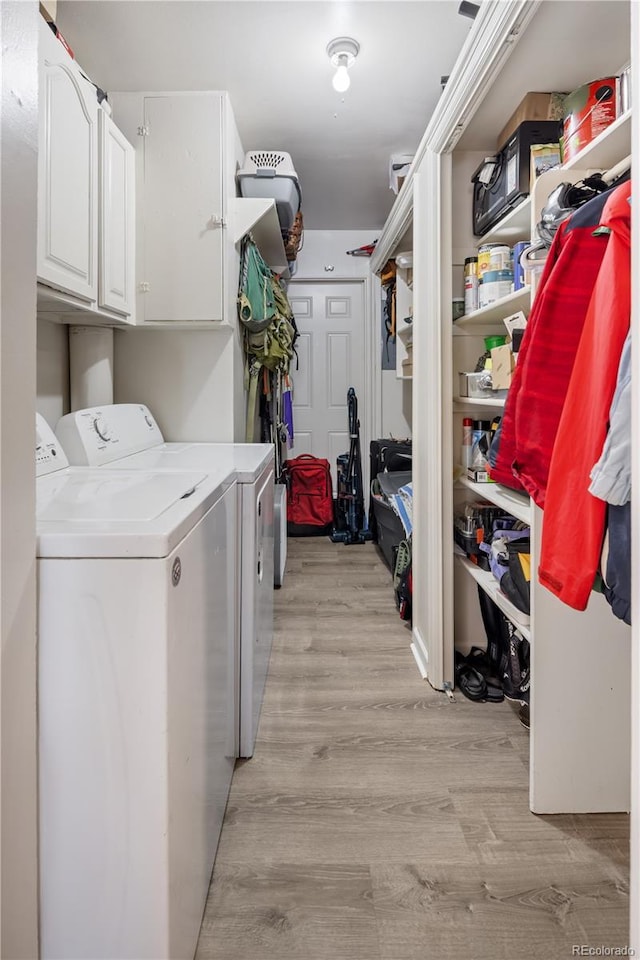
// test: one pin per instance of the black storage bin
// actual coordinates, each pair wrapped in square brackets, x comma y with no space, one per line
[386,455]
[390,530]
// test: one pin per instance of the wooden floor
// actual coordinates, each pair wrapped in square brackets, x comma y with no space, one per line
[379,821]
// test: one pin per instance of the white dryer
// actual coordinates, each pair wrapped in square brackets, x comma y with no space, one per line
[105,436]
[135,638]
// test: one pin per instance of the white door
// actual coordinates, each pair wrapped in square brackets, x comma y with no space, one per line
[331,352]
[117,218]
[67,173]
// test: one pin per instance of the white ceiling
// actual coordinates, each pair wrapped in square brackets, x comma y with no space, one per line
[270,56]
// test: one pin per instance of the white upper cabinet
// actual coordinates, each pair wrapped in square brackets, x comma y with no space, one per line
[180,206]
[116,282]
[67,174]
[86,198]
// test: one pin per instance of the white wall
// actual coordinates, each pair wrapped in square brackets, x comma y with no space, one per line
[18,191]
[396,406]
[52,370]
[184,377]
[324,256]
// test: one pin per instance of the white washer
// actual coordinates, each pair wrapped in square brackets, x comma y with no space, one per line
[135,639]
[105,436]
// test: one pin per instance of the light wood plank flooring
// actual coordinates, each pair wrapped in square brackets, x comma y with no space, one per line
[379,821]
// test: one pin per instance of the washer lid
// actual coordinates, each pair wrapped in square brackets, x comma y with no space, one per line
[87,512]
[246,460]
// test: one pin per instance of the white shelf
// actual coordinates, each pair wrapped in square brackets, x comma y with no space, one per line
[491,587]
[497,402]
[258,216]
[611,146]
[517,504]
[192,325]
[496,312]
[514,226]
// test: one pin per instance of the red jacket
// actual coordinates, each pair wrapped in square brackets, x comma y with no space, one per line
[574,519]
[547,353]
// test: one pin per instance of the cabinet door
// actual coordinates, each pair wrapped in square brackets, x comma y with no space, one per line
[67,173]
[117,217]
[182,208]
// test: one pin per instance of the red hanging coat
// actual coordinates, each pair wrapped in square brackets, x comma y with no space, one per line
[547,353]
[574,519]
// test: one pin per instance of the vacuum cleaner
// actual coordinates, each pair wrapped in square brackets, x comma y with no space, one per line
[351,520]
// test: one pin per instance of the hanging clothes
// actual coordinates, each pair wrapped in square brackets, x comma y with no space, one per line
[546,357]
[611,476]
[611,481]
[574,519]
[616,561]
[287,410]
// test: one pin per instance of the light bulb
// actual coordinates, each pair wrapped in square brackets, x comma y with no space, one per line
[341,79]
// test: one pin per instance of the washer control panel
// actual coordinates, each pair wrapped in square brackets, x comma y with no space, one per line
[99,435]
[49,454]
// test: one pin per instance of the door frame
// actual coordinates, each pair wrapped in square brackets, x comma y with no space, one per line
[370,411]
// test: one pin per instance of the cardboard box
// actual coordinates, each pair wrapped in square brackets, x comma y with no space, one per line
[478,476]
[502,367]
[544,156]
[588,111]
[534,106]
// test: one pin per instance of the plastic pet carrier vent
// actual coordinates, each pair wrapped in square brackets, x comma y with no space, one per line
[270,161]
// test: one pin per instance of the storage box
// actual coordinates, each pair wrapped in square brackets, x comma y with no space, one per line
[544,156]
[502,367]
[471,385]
[534,106]
[389,528]
[478,476]
[587,112]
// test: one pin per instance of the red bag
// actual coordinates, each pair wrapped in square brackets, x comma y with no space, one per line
[309,491]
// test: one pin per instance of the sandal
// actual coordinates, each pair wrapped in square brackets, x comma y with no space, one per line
[477,657]
[470,681]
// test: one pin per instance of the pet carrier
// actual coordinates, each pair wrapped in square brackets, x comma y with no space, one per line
[270,173]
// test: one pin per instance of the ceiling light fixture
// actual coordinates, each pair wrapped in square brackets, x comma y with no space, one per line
[342,52]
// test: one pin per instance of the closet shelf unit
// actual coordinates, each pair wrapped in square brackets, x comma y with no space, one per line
[513,226]
[486,580]
[404,309]
[580,731]
[495,312]
[494,403]
[517,504]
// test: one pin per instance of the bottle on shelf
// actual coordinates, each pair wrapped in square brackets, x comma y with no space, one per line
[467,439]
[470,284]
